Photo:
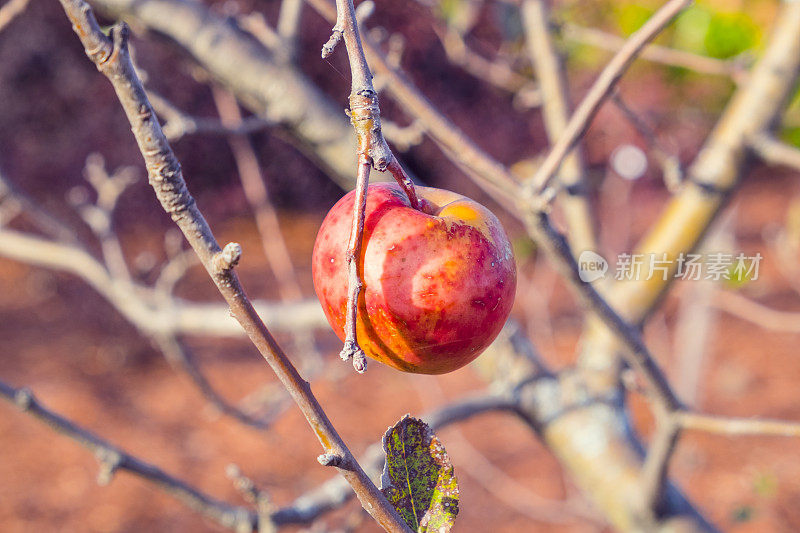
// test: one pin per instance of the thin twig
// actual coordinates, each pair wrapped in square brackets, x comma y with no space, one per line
[738,426]
[351,349]
[657,53]
[608,78]
[555,109]
[11,10]
[671,170]
[180,356]
[110,55]
[178,124]
[228,516]
[372,152]
[656,466]
[255,190]
[289,23]
[774,152]
[746,309]
[496,72]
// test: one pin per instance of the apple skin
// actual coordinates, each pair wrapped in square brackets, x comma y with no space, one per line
[438,284]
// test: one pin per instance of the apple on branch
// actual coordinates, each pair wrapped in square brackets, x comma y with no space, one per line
[439,281]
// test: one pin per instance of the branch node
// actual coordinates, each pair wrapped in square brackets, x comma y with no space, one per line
[330,459]
[23,398]
[352,350]
[330,46]
[110,461]
[120,33]
[228,258]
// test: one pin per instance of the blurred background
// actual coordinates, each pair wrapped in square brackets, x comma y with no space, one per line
[61,125]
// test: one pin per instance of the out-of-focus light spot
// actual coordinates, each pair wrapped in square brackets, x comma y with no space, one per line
[629,161]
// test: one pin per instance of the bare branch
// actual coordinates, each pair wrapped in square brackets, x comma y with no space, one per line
[149,310]
[580,120]
[11,10]
[288,23]
[738,426]
[110,55]
[178,124]
[671,170]
[656,466]
[555,108]
[372,152]
[495,72]
[658,54]
[181,357]
[746,309]
[255,190]
[774,152]
[228,516]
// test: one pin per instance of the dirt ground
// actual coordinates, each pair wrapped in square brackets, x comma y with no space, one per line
[85,362]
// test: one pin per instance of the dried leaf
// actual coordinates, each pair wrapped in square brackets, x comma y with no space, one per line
[418,478]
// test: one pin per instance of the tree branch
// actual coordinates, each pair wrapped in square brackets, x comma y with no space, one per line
[152,312]
[114,459]
[110,55]
[11,10]
[555,109]
[600,90]
[272,88]
[656,53]
[372,152]
[178,124]
[774,152]
[327,497]
[738,426]
[754,109]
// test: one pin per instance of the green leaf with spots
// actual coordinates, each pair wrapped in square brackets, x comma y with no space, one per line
[418,477]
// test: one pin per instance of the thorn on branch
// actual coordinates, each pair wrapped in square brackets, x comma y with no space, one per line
[228,258]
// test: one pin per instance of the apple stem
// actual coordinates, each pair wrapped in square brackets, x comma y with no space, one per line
[351,348]
[405,182]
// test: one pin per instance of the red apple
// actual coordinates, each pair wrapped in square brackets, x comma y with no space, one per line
[438,282]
